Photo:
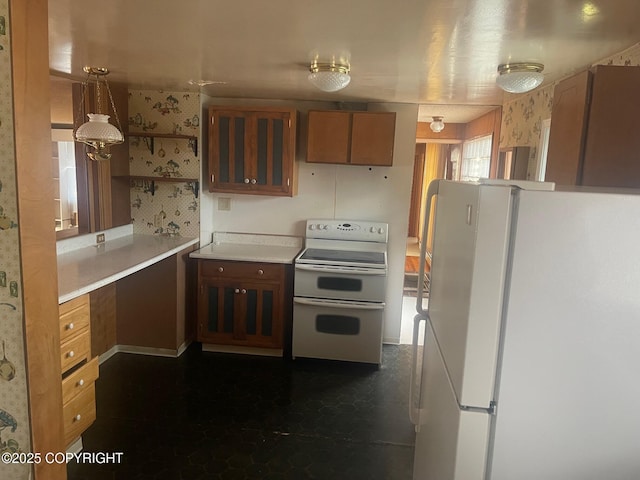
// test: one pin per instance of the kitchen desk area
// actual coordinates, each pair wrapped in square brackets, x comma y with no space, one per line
[137,288]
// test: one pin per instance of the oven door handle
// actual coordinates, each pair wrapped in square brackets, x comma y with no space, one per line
[315,302]
[333,269]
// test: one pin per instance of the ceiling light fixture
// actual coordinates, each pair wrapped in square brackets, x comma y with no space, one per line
[437,125]
[329,77]
[519,77]
[98,133]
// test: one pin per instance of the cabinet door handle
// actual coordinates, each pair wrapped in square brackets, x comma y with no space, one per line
[221,269]
[246,180]
[243,291]
[260,272]
[213,178]
[237,290]
[253,181]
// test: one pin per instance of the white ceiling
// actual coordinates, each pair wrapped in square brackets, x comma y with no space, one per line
[442,54]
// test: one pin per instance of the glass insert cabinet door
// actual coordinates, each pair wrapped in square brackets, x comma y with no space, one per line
[240,314]
[251,151]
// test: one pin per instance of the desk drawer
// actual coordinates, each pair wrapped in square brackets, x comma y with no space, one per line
[243,270]
[73,351]
[79,413]
[79,381]
[74,316]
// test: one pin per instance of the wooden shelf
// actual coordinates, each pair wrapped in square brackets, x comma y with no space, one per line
[194,181]
[149,139]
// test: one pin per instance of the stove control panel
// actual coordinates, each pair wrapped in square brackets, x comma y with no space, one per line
[354,230]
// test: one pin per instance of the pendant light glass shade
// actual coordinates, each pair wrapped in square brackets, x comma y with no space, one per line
[329,77]
[519,77]
[98,130]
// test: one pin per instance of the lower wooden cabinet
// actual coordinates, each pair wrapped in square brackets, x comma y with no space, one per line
[79,370]
[243,303]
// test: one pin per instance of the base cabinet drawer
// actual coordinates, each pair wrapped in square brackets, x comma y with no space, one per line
[79,381]
[73,351]
[79,413]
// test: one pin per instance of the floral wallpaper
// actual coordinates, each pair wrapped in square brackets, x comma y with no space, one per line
[628,57]
[166,205]
[15,435]
[522,115]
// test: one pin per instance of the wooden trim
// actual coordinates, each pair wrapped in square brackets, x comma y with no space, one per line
[416,189]
[452,131]
[30,70]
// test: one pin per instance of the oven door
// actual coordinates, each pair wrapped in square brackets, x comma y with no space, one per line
[342,283]
[337,330]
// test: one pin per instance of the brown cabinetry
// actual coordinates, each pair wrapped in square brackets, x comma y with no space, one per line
[242,303]
[593,139]
[252,150]
[353,138]
[79,370]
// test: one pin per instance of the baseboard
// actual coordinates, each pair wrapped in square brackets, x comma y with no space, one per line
[76,447]
[391,341]
[263,352]
[152,351]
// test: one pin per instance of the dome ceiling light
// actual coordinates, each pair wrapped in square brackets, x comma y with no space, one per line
[329,77]
[519,77]
[437,125]
[98,133]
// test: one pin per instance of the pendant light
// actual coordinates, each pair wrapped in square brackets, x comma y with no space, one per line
[98,133]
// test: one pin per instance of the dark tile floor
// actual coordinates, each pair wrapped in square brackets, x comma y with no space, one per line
[216,416]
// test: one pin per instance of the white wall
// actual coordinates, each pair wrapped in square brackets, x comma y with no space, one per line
[330,191]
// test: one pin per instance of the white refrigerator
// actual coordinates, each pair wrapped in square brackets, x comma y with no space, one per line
[528,367]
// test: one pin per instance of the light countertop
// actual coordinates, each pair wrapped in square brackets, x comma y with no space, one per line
[87,268]
[251,248]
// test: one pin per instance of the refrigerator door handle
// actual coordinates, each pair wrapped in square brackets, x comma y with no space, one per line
[416,372]
[432,191]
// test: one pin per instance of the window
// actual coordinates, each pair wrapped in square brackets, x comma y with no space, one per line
[476,159]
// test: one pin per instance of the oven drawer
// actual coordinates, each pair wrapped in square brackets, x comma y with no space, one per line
[337,330]
[338,284]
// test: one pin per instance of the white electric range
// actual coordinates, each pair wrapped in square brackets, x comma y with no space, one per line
[339,291]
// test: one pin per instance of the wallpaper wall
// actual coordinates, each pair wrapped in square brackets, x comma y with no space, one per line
[522,115]
[14,416]
[164,207]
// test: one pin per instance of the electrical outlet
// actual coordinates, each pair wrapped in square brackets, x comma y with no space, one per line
[100,238]
[224,203]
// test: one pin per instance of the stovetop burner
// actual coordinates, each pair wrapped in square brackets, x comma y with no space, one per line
[343,256]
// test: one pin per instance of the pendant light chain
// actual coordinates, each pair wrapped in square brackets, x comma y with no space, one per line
[113,105]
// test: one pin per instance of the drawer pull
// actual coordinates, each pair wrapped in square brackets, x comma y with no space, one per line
[221,269]
[77,418]
[70,354]
[81,382]
[70,326]
[260,272]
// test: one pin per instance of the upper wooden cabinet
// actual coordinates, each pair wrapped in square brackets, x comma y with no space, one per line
[252,150]
[354,138]
[593,139]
